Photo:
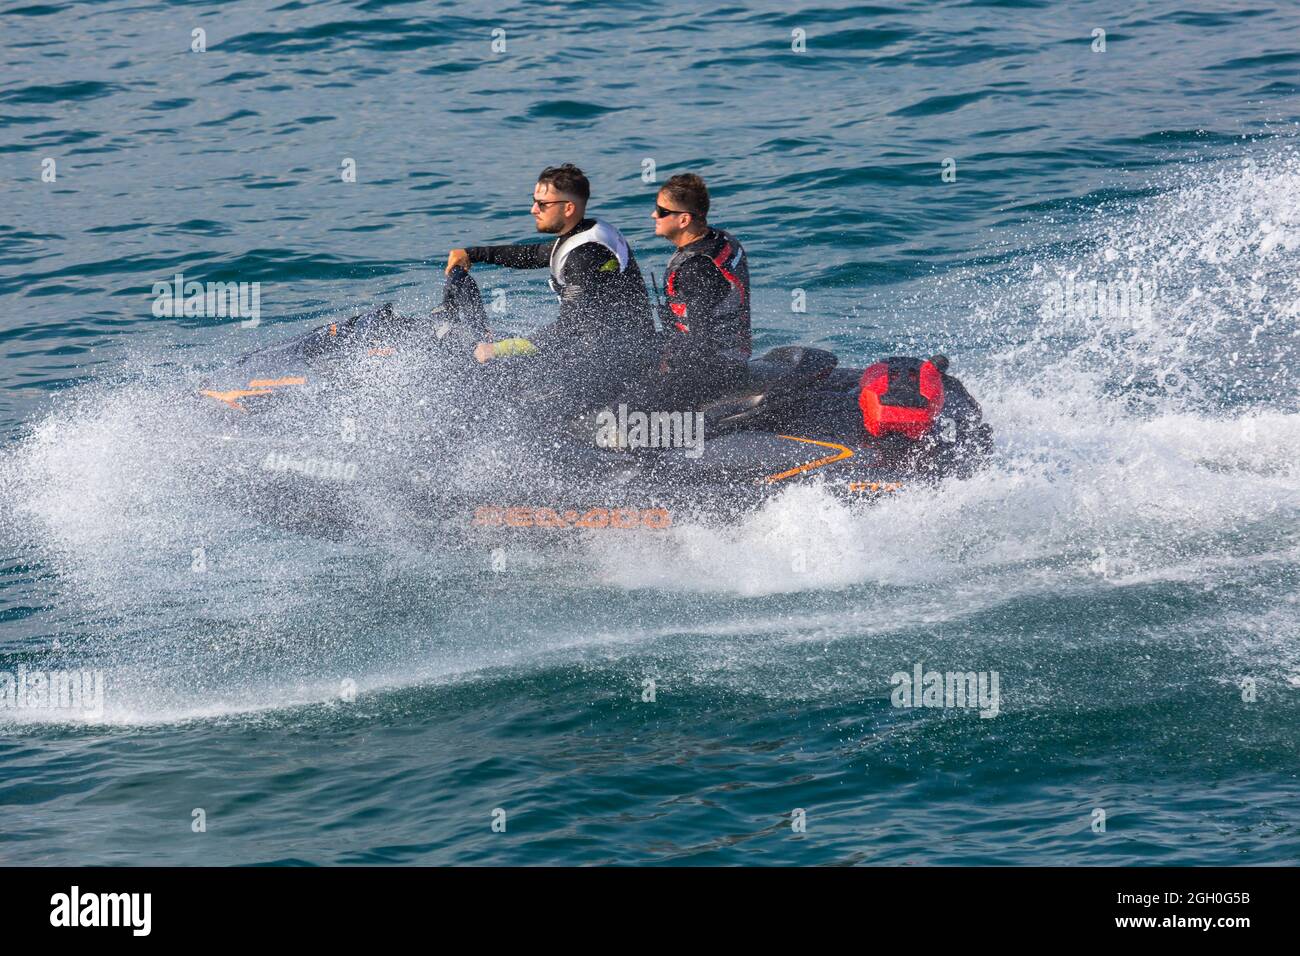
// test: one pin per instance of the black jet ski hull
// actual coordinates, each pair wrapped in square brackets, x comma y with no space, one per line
[292,444]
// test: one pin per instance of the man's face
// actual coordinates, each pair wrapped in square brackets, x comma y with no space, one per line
[670,226]
[550,208]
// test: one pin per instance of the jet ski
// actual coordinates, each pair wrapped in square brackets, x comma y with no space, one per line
[386,417]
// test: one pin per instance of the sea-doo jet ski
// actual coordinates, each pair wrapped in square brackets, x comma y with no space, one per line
[387,416]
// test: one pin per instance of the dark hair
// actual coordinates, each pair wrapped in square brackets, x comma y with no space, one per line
[689,194]
[567,179]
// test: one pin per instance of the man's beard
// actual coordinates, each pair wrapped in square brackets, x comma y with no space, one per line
[557,228]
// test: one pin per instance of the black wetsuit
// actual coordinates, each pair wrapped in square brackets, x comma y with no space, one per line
[603,340]
[601,304]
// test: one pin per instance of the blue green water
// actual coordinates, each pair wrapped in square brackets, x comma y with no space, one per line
[1128,565]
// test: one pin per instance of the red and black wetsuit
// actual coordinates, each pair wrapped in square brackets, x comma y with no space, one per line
[706,288]
[705,319]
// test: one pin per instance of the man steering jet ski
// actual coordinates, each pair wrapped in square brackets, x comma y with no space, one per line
[602,339]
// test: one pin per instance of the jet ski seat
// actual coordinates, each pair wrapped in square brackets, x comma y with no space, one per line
[779,374]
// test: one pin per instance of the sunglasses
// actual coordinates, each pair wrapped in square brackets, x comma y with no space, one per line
[543,203]
[660,212]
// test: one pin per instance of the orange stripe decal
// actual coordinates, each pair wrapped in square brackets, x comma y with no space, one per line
[844,452]
[276,382]
[230,398]
[257,386]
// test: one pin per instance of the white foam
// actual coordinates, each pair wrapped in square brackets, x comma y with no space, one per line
[1130,450]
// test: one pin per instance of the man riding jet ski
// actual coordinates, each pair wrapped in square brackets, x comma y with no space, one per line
[601,341]
[705,318]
